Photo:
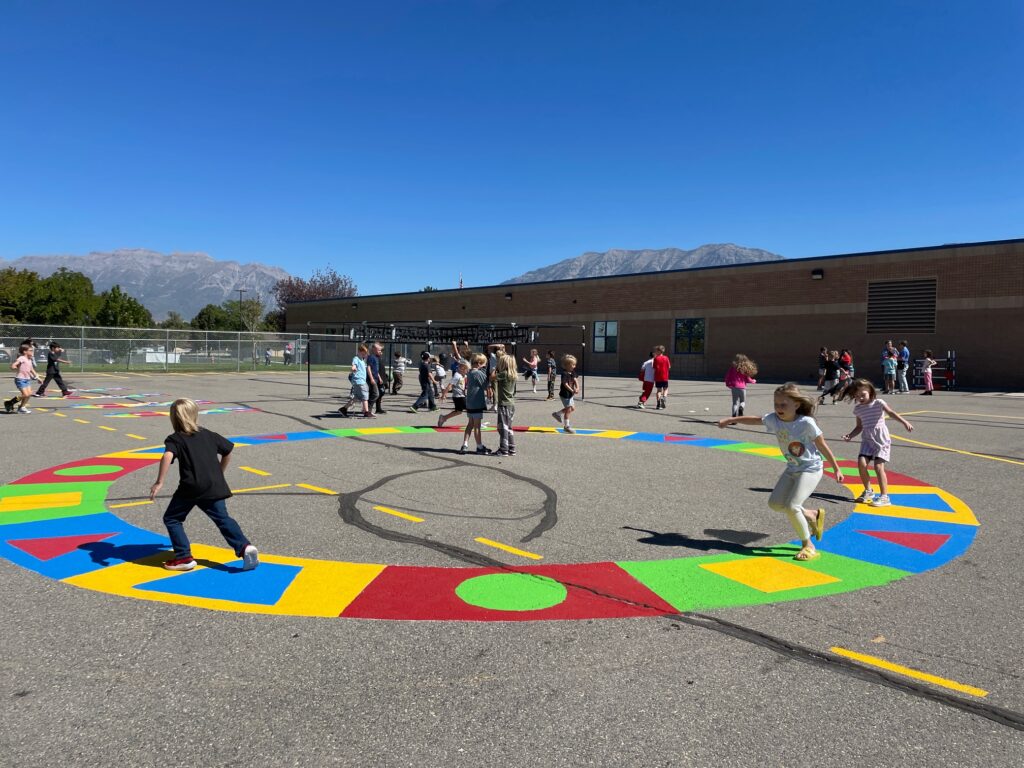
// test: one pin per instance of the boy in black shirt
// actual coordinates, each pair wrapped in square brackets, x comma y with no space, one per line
[202,484]
[53,361]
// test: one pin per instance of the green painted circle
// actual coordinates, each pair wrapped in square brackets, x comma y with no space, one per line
[511,592]
[89,469]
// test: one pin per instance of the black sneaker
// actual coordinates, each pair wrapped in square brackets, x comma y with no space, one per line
[413,409]
[8,405]
[482,449]
[343,412]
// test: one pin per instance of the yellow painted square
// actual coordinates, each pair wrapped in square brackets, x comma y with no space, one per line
[40,501]
[769,574]
[378,431]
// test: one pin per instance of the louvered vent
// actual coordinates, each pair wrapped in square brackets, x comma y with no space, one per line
[895,306]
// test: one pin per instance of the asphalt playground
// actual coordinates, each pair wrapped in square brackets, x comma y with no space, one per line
[622,596]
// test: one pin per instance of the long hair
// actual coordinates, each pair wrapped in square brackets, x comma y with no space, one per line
[851,389]
[185,416]
[745,365]
[507,365]
[804,403]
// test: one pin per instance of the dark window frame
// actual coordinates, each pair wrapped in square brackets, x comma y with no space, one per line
[694,340]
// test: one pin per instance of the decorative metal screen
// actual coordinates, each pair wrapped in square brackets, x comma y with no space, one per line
[896,306]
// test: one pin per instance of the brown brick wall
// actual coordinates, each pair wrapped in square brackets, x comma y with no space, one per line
[773,312]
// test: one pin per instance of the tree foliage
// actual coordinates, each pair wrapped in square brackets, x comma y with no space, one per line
[428,289]
[119,310]
[214,317]
[325,283]
[174,321]
[63,298]
[15,285]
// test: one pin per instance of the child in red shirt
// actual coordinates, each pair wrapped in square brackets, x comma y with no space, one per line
[661,369]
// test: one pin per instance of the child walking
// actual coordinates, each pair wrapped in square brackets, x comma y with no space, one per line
[476,402]
[741,373]
[360,392]
[398,373]
[25,374]
[889,373]
[531,367]
[802,444]
[875,441]
[202,485]
[926,372]
[647,378]
[505,397]
[552,365]
[567,392]
[662,365]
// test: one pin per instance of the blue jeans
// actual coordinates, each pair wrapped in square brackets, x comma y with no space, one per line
[426,397]
[177,511]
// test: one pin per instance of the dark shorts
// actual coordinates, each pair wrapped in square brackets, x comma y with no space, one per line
[870,458]
[475,414]
[459,403]
[661,384]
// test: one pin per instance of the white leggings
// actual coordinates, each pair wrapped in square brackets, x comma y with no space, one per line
[789,495]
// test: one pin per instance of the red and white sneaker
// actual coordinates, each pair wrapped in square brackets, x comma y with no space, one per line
[180,564]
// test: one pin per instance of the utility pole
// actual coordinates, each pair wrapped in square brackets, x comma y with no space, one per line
[241,327]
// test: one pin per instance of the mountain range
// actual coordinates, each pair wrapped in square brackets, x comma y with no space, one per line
[164,282]
[622,262]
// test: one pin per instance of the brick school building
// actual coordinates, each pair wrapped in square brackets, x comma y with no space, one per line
[963,297]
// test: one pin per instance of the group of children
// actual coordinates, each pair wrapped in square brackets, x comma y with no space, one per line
[25,373]
[803,445]
[654,376]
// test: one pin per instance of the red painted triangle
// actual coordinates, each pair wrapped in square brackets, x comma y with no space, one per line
[47,549]
[929,543]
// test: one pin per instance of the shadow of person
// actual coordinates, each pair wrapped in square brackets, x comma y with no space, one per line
[833,497]
[106,554]
[659,539]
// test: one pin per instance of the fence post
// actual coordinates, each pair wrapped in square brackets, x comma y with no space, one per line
[81,350]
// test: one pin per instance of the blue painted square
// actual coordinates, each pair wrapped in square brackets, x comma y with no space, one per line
[930,501]
[290,437]
[647,437]
[262,586]
[129,544]
[845,540]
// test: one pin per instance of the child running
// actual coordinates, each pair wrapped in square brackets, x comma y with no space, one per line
[53,360]
[23,378]
[531,367]
[201,484]
[505,398]
[567,392]
[398,372]
[803,445]
[875,442]
[476,401]
[741,373]
[457,389]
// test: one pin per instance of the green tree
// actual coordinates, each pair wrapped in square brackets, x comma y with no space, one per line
[249,314]
[119,310]
[15,286]
[427,289]
[273,321]
[63,298]
[214,318]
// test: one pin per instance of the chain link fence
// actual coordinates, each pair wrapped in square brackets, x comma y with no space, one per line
[161,349]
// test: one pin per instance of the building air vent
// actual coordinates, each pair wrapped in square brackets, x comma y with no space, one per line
[898,306]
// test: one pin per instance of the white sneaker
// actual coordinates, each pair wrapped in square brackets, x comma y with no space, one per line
[881,501]
[639,405]
[250,558]
[24,410]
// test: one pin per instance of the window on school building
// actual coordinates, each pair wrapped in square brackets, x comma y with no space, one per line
[606,336]
[689,336]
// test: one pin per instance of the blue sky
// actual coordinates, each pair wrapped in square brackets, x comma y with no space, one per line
[405,142]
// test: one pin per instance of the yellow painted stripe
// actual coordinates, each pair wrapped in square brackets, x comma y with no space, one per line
[134,437]
[909,672]
[130,504]
[507,548]
[261,488]
[402,515]
[956,450]
[62,415]
[109,429]
[316,488]
[83,421]
[256,471]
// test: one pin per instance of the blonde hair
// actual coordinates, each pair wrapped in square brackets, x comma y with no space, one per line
[745,365]
[804,403]
[477,359]
[507,365]
[566,359]
[185,416]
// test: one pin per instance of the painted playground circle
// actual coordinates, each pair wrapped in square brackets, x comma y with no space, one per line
[56,522]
